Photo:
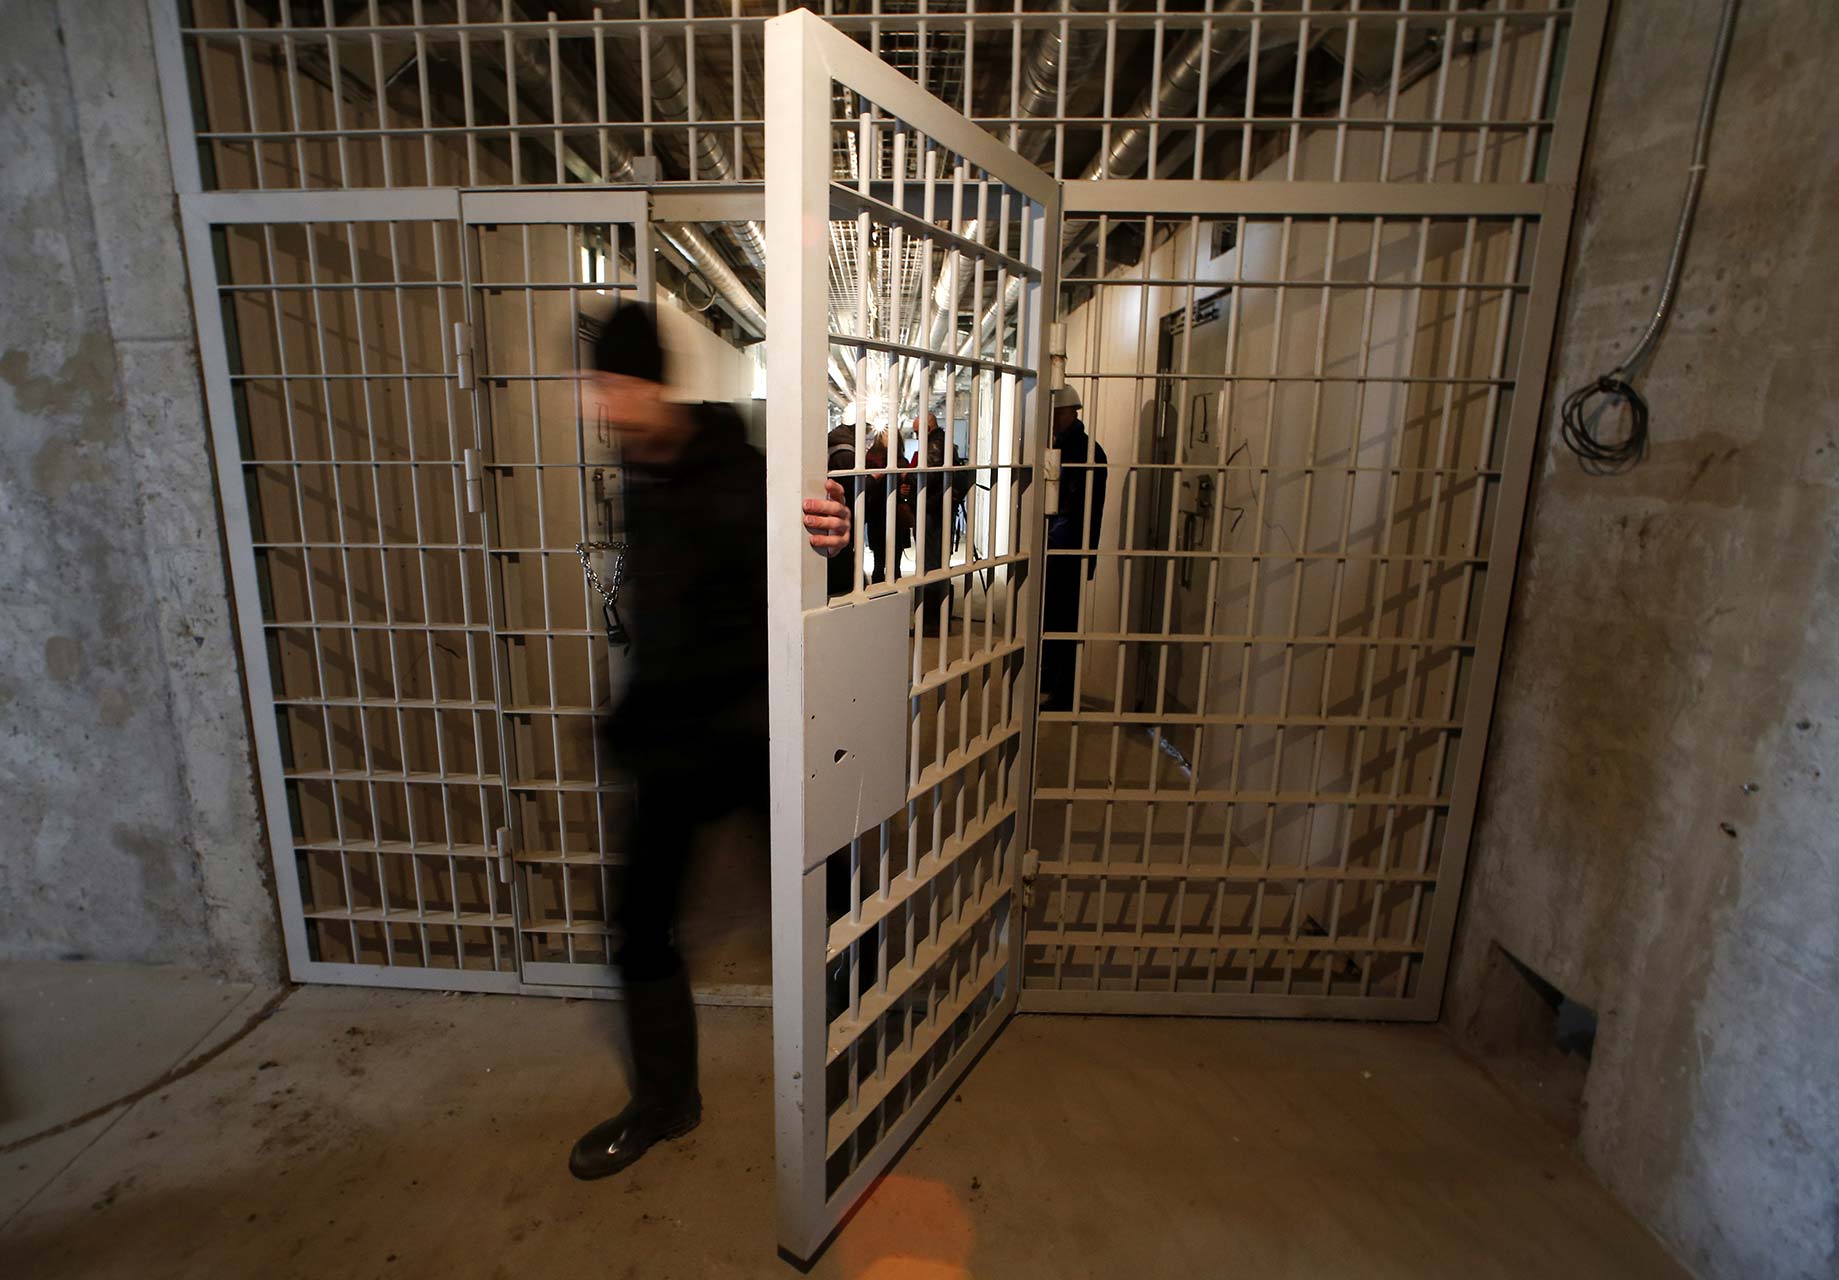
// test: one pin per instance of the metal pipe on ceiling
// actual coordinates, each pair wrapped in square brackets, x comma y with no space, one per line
[1177,88]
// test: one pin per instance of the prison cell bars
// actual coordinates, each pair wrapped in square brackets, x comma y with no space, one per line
[512,68]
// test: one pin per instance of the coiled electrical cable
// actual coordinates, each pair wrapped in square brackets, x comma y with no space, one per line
[1585,409]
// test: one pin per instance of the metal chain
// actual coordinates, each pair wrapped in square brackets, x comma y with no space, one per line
[609,595]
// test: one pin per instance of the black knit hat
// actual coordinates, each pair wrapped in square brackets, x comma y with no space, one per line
[628,343]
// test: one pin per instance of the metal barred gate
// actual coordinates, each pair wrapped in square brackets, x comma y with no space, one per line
[415,473]
[1301,260]
[903,705]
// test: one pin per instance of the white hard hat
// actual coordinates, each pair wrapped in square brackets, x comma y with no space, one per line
[1067,398]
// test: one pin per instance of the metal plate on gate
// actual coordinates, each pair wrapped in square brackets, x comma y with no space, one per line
[856,710]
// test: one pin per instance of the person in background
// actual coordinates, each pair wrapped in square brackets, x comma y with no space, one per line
[941,517]
[841,456]
[875,513]
[691,728]
[1069,528]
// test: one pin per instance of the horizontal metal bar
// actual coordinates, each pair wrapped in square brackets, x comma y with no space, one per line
[413,977]
[632,29]
[1227,795]
[369,204]
[416,777]
[377,626]
[348,286]
[956,761]
[1379,557]
[537,128]
[566,927]
[1151,718]
[1222,1004]
[583,981]
[551,286]
[696,202]
[1325,379]
[1161,197]
[392,704]
[964,667]
[527,205]
[345,377]
[1157,637]
[560,787]
[1085,870]
[409,915]
[403,848]
[556,858]
[1300,286]
[1280,469]
[364,546]
[1174,122]
[1205,943]
[925,355]
[846,202]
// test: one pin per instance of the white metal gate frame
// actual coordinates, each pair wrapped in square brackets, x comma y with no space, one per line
[865,692]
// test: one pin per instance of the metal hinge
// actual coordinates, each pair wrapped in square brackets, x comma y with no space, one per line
[463,354]
[503,836]
[1050,476]
[475,480]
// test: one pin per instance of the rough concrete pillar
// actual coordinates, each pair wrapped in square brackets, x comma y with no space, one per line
[1660,826]
[126,755]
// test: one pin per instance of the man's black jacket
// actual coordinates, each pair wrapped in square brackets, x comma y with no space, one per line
[695,595]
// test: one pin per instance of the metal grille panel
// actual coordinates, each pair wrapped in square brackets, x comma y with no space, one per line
[372,585]
[555,482]
[1250,798]
[290,97]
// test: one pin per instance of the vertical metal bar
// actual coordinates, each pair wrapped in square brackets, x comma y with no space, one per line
[429,177]
[797,206]
[385,128]
[600,92]
[249,98]
[407,389]
[466,98]
[389,608]
[338,97]
[555,100]
[293,98]
[513,133]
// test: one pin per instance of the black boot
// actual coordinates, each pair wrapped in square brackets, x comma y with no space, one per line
[661,1023]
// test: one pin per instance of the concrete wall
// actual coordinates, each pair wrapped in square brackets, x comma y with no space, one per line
[125,774]
[1676,643]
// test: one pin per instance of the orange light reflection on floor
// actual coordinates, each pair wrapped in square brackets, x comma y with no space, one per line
[907,1229]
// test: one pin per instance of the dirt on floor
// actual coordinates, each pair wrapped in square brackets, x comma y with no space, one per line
[358,1133]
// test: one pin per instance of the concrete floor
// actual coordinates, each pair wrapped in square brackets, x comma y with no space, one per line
[366,1133]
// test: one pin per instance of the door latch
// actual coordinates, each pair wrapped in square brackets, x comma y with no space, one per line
[1050,476]
[503,836]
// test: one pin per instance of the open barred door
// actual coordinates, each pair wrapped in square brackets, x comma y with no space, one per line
[912,270]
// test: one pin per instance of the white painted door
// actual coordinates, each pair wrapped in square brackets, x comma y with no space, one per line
[912,264]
